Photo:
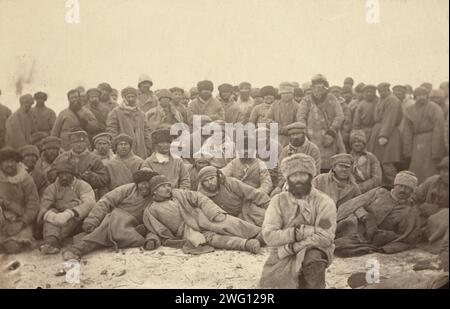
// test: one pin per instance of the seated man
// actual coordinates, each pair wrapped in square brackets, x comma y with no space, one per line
[195,221]
[87,165]
[116,219]
[366,168]
[379,220]
[50,149]
[162,162]
[249,169]
[30,155]
[19,203]
[433,199]
[299,227]
[338,183]
[124,163]
[102,146]
[232,195]
[65,204]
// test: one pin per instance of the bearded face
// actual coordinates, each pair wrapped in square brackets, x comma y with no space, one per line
[300,184]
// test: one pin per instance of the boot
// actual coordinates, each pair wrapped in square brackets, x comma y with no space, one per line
[232,243]
[50,246]
[253,246]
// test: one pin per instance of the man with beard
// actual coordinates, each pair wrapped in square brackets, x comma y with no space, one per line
[248,169]
[299,227]
[116,219]
[162,162]
[74,117]
[87,165]
[205,104]
[102,146]
[108,97]
[323,116]
[30,155]
[423,135]
[65,204]
[379,220]
[96,108]
[232,112]
[129,119]
[298,143]
[259,112]
[190,220]
[19,203]
[338,183]
[283,112]
[124,162]
[50,149]
[43,117]
[232,195]
[146,99]
[244,101]
[366,168]
[433,199]
[385,141]
[19,126]
[177,97]
[164,113]
[363,118]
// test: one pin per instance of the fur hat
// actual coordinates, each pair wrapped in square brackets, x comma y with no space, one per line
[225,88]
[128,90]
[7,153]
[122,137]
[29,150]
[268,90]
[106,137]
[205,85]
[298,162]
[40,95]
[64,166]
[406,178]
[161,135]
[78,136]
[158,181]
[206,172]
[342,158]
[51,142]
[143,175]
[296,127]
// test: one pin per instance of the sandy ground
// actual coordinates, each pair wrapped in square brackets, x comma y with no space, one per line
[171,268]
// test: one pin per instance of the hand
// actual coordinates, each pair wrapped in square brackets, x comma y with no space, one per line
[220,217]
[87,227]
[86,176]
[328,140]
[62,218]
[304,231]
[14,228]
[150,244]
[49,216]
[382,141]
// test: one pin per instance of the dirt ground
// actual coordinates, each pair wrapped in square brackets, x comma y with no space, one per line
[171,268]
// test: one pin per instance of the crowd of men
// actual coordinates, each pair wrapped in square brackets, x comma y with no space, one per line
[361,169]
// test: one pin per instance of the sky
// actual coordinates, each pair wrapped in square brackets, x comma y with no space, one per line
[179,42]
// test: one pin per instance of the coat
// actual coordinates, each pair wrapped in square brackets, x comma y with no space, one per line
[5,112]
[145,102]
[347,125]
[259,113]
[100,113]
[245,108]
[121,171]
[284,114]
[211,108]
[173,169]
[43,118]
[387,116]
[339,192]
[423,133]
[254,174]
[156,116]
[19,127]
[188,213]
[131,121]
[319,118]
[232,112]
[67,120]
[284,214]
[363,118]
[366,170]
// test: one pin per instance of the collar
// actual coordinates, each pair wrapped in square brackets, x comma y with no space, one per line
[160,158]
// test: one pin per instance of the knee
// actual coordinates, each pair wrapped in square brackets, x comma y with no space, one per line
[313,255]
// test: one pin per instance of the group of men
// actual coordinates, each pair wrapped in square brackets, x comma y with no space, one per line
[355,172]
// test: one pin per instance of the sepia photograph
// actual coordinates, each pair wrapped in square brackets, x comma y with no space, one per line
[224,145]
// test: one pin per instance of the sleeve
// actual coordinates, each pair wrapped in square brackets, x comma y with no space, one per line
[249,193]
[147,135]
[265,180]
[315,154]
[339,118]
[52,119]
[56,131]
[420,195]
[357,118]
[100,176]
[227,170]
[437,147]
[31,201]
[87,197]
[302,112]
[185,181]
[254,115]
[48,198]
[408,135]
[272,229]
[390,119]
[208,207]
[112,124]
[376,176]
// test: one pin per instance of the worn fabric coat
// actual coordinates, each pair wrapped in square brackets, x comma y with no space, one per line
[259,113]
[131,121]
[156,116]
[211,108]
[423,133]
[43,118]
[284,214]
[19,127]
[173,169]
[366,170]
[100,113]
[387,116]
[245,108]
[364,116]
[146,101]
[121,170]
[319,118]
[5,112]
[232,112]
[254,174]
[339,191]
[284,114]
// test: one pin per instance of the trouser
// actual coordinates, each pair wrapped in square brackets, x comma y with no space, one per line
[312,274]
[389,173]
[54,235]
[83,247]
[225,242]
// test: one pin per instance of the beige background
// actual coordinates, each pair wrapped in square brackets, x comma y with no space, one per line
[179,42]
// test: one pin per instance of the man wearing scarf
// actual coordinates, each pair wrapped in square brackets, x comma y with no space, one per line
[129,119]
[299,228]
[323,117]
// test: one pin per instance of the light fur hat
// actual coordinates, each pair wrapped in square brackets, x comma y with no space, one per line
[299,162]
[406,178]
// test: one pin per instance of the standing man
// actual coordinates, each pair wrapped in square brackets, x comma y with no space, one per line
[97,109]
[232,111]
[385,141]
[5,112]
[129,119]
[299,228]
[205,104]
[259,112]
[363,118]
[349,82]
[164,113]
[283,112]
[146,99]
[244,101]
[423,135]
[19,126]
[43,117]
[177,97]
[323,116]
